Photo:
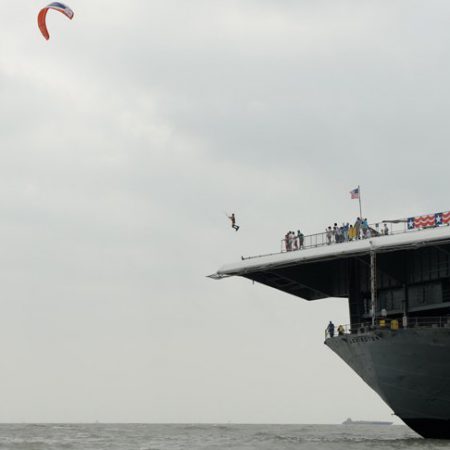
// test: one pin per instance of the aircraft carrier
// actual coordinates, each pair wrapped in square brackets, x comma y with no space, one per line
[398,290]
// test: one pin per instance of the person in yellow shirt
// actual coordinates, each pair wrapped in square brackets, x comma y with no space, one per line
[351,233]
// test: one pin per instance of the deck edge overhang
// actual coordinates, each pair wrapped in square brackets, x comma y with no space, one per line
[381,244]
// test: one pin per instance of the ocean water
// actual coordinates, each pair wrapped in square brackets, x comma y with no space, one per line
[230,437]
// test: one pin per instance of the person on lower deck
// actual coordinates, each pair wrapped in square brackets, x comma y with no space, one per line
[330,329]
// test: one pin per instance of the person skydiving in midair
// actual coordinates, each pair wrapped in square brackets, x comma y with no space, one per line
[233,222]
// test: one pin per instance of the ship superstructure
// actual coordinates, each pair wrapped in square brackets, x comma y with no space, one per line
[398,290]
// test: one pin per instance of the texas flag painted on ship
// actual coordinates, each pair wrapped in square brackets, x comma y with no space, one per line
[431,220]
[422,221]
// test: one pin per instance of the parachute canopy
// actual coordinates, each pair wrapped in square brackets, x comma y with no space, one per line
[57,6]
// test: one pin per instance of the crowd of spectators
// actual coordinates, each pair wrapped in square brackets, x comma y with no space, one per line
[294,241]
[338,234]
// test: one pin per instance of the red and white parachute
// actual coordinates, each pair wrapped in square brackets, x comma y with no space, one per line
[57,6]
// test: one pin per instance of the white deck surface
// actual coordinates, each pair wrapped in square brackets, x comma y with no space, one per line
[380,244]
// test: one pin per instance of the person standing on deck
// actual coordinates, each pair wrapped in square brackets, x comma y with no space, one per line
[345,232]
[330,329]
[338,235]
[351,233]
[289,241]
[365,228]
[358,228]
[329,234]
[335,233]
[300,238]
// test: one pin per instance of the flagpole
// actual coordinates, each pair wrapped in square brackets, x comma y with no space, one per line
[360,209]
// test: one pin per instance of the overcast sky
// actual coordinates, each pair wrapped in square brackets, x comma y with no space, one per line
[125,138]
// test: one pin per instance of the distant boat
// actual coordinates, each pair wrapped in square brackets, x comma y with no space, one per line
[365,422]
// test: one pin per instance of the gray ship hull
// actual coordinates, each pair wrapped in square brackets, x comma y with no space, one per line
[410,370]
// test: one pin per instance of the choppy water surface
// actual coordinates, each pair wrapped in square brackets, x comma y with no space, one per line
[242,437]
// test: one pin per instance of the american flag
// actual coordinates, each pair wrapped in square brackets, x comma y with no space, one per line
[355,193]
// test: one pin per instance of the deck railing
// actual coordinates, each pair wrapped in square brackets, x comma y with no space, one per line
[330,238]
[374,230]
[388,323]
[378,229]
